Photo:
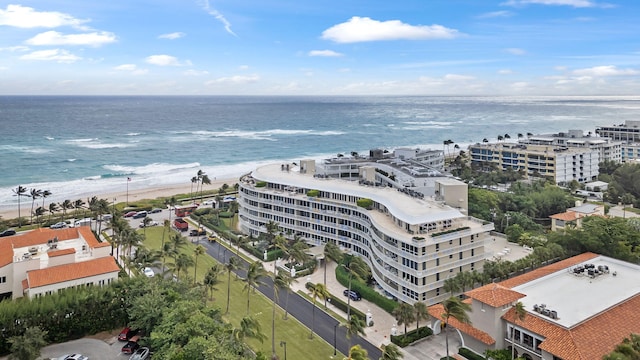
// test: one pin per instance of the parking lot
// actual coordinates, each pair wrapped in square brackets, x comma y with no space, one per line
[101,347]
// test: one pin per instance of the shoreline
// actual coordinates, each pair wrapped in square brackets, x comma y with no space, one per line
[151,192]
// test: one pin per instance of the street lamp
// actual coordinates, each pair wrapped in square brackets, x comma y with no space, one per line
[335,327]
[284,344]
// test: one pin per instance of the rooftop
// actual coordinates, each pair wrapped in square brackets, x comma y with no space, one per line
[409,209]
[581,296]
[67,272]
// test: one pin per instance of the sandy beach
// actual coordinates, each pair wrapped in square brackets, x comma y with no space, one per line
[134,195]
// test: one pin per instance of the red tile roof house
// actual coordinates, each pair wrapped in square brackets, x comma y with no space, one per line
[576,309]
[42,261]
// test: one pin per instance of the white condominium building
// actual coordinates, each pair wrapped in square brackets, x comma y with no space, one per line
[412,242]
[610,149]
[628,132]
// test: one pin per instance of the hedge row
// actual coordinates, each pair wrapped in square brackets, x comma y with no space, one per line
[470,355]
[411,336]
[339,304]
[365,291]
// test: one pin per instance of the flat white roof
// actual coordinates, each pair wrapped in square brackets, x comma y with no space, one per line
[406,208]
[579,297]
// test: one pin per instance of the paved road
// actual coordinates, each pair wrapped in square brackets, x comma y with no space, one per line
[300,308]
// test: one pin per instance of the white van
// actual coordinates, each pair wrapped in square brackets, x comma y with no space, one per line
[82,222]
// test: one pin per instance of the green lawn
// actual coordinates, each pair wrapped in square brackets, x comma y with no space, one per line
[299,346]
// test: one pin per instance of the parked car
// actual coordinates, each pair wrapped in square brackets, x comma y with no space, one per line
[131,346]
[140,215]
[7,232]
[208,202]
[212,238]
[140,354]
[155,211]
[354,295]
[127,333]
[59,225]
[130,214]
[151,223]
[148,272]
[73,357]
[197,232]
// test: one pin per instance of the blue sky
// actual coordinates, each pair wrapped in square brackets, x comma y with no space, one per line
[304,47]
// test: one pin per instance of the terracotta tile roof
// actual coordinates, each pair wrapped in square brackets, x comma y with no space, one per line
[6,252]
[61,273]
[25,284]
[91,240]
[495,295]
[567,216]
[437,310]
[546,270]
[54,253]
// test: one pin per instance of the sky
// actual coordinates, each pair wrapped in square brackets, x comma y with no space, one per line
[328,47]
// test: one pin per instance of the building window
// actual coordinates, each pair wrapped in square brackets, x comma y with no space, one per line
[3,279]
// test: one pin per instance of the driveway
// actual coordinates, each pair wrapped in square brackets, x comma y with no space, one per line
[102,348]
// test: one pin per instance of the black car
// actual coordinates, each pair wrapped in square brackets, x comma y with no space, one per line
[354,295]
[7,232]
[155,211]
[131,346]
[140,215]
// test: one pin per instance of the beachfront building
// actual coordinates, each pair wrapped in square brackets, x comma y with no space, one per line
[627,132]
[43,261]
[412,242]
[576,309]
[561,163]
[610,149]
[631,152]
[573,217]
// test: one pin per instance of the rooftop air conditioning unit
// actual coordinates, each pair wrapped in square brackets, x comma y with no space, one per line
[33,250]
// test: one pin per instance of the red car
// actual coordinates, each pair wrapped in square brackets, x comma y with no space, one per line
[126,334]
[130,214]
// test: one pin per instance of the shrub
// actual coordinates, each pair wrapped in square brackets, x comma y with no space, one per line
[411,336]
[340,304]
[313,193]
[450,231]
[261,184]
[365,291]
[470,355]
[365,203]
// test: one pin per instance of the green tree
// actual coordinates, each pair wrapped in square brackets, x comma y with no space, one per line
[249,328]
[421,313]
[182,263]
[255,273]
[520,313]
[317,291]
[232,264]
[199,250]
[356,352]
[331,252]
[391,352]
[404,314]
[356,267]
[211,279]
[178,242]
[283,281]
[354,327]
[454,308]
[27,346]
[34,194]
[20,191]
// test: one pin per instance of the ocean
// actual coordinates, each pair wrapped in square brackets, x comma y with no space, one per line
[79,146]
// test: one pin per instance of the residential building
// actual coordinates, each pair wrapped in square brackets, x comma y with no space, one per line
[562,164]
[413,242]
[43,261]
[627,132]
[631,152]
[576,309]
[609,149]
[573,217]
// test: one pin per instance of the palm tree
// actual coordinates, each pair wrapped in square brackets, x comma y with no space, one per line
[231,265]
[520,313]
[485,140]
[167,250]
[317,291]
[283,281]
[404,314]
[255,273]
[45,194]
[199,250]
[204,180]
[500,138]
[145,222]
[170,203]
[506,136]
[520,136]
[34,194]
[280,243]
[64,206]
[420,312]
[456,309]
[357,268]
[178,242]
[166,225]
[391,352]
[53,207]
[249,328]
[39,212]
[331,251]
[356,352]
[355,326]
[241,240]
[211,278]
[233,209]
[19,191]
[529,134]
[183,262]
[194,180]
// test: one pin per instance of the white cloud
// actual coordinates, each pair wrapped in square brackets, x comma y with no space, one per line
[573,3]
[360,29]
[58,55]
[19,48]
[495,14]
[94,39]
[326,53]
[243,67]
[3,68]
[216,14]
[132,68]
[515,51]
[237,79]
[505,72]
[456,77]
[166,60]
[26,17]
[192,72]
[607,70]
[172,36]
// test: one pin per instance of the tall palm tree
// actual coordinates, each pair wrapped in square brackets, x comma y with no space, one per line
[283,281]
[19,192]
[199,250]
[45,194]
[317,291]
[356,267]
[204,180]
[167,250]
[520,313]
[194,180]
[500,137]
[178,242]
[280,243]
[404,314]
[183,262]
[53,207]
[272,228]
[456,309]
[506,136]
[249,328]
[231,265]
[520,136]
[391,352]
[64,206]
[78,204]
[39,212]
[255,273]
[420,312]
[233,209]
[354,327]
[356,352]
[34,194]
[485,140]
[211,278]
[166,226]
[331,251]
